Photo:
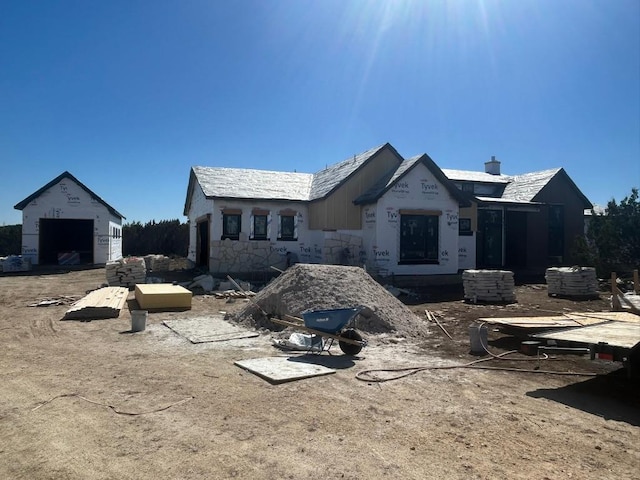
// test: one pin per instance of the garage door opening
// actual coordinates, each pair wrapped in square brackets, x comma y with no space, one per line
[62,235]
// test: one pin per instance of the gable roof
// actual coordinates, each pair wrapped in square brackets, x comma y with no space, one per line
[21,205]
[328,180]
[527,187]
[387,181]
[242,183]
[518,188]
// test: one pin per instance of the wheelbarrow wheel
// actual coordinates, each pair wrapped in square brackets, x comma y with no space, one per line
[349,348]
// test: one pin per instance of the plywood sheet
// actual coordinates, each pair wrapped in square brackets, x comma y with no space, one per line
[572,319]
[208,329]
[283,369]
[159,296]
[616,334]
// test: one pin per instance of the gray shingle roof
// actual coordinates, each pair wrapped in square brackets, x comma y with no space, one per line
[471,176]
[518,189]
[526,187]
[253,184]
[325,181]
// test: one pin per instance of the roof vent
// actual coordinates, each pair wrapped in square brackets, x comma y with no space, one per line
[492,166]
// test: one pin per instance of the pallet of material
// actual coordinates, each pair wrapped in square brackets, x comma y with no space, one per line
[572,281]
[488,286]
[157,263]
[126,272]
[104,302]
[162,296]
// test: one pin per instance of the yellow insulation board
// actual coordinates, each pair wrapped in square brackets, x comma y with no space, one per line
[155,296]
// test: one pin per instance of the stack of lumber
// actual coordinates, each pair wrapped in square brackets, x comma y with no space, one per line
[126,272]
[488,286]
[157,263]
[572,281]
[105,302]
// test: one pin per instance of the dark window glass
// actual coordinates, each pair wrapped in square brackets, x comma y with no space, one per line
[260,227]
[287,227]
[231,226]
[419,239]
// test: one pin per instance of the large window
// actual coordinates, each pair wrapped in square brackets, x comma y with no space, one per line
[231,226]
[287,226]
[419,238]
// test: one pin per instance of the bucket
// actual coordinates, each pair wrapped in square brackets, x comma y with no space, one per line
[478,336]
[529,347]
[138,320]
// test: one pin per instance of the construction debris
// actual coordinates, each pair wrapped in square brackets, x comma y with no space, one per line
[126,272]
[488,286]
[233,294]
[572,281]
[104,302]
[157,263]
[304,287]
[16,263]
[48,302]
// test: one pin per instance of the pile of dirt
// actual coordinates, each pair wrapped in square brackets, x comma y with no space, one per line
[305,287]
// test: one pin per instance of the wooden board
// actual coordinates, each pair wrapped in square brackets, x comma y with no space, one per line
[572,319]
[102,303]
[616,334]
[158,296]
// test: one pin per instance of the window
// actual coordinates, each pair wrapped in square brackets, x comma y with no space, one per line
[419,239]
[287,227]
[464,227]
[259,227]
[467,187]
[231,226]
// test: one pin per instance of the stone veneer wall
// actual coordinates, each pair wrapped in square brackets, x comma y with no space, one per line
[240,256]
[243,256]
[343,249]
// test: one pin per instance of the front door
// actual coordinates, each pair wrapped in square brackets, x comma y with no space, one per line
[202,244]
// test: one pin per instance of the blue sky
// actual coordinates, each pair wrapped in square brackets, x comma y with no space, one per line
[128,95]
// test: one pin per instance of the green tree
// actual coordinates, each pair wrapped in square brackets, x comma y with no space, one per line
[613,239]
[167,237]
[10,240]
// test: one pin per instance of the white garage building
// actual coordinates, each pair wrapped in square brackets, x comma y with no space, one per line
[65,223]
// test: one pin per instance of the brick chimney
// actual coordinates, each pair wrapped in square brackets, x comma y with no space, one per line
[492,166]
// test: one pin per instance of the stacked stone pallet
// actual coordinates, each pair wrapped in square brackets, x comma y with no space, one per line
[126,272]
[157,263]
[572,281]
[488,286]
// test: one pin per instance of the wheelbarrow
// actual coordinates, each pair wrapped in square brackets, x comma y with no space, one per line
[332,324]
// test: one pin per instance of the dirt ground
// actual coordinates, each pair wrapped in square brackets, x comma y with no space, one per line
[91,400]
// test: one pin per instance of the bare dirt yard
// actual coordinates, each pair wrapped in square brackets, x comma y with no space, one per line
[91,400]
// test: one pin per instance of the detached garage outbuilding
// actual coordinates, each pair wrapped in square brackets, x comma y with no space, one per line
[64,222]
